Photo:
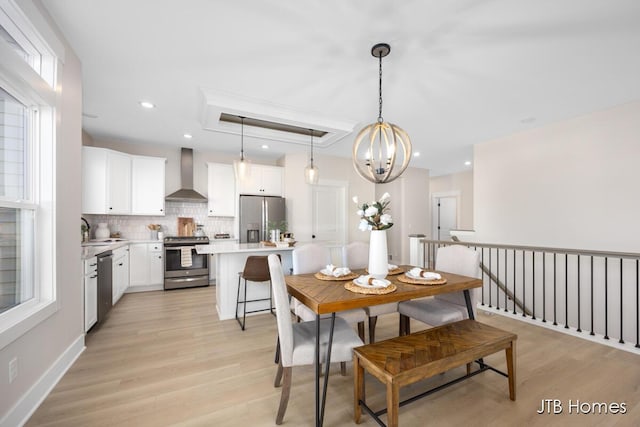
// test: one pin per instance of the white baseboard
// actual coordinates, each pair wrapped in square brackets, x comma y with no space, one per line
[31,400]
[144,288]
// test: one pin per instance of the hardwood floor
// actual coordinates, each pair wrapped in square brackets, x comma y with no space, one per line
[164,358]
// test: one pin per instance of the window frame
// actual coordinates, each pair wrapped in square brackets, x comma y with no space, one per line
[38,92]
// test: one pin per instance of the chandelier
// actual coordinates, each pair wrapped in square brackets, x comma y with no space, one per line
[382,150]
[311,171]
[242,167]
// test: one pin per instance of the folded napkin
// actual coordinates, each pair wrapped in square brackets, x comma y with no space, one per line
[369,282]
[419,273]
[392,267]
[332,270]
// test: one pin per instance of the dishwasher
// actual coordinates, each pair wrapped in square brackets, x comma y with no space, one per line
[105,278]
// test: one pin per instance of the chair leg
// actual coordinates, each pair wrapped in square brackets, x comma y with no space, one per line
[244,306]
[277,350]
[404,325]
[372,328]
[343,369]
[361,331]
[278,380]
[284,398]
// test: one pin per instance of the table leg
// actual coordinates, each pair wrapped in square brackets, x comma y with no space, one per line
[317,366]
[326,369]
[467,300]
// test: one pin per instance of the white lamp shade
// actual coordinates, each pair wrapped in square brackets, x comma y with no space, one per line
[242,169]
[311,174]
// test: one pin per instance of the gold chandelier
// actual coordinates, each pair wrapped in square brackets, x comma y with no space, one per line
[381,151]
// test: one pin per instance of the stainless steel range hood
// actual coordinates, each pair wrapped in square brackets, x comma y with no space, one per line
[186,193]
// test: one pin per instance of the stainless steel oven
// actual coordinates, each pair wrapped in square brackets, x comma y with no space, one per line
[183,266]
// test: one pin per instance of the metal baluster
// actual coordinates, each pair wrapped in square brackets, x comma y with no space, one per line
[591,333]
[579,330]
[482,272]
[506,286]
[637,305]
[497,279]
[606,298]
[533,283]
[566,291]
[555,294]
[621,341]
[524,289]
[490,280]
[515,285]
[544,287]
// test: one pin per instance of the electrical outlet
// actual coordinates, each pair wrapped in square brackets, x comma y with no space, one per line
[13,369]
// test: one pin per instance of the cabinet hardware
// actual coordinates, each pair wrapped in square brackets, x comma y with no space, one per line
[93,277]
[120,264]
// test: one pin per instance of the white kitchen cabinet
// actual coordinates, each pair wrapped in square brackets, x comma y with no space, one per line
[147,267]
[221,190]
[263,181]
[90,292]
[147,185]
[120,273]
[106,181]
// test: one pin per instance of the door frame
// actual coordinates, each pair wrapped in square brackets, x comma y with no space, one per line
[434,201]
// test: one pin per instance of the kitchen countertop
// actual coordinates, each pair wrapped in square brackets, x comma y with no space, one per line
[234,247]
[95,248]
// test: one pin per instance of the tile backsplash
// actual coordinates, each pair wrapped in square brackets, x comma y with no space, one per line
[134,227]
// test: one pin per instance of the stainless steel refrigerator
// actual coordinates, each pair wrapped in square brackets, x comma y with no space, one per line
[258,214]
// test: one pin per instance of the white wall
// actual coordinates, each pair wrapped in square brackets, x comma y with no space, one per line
[62,334]
[572,184]
[461,182]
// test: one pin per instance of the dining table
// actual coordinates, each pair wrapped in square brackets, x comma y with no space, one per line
[330,296]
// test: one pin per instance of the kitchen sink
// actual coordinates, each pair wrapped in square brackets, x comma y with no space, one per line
[103,242]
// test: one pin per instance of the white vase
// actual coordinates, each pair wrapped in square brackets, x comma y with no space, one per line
[102,232]
[378,258]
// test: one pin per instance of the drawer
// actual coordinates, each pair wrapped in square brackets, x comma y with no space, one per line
[90,265]
[155,247]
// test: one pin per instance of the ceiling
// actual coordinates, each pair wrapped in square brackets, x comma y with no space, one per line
[460,72]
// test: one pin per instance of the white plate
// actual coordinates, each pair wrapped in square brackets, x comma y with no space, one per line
[328,272]
[363,281]
[431,276]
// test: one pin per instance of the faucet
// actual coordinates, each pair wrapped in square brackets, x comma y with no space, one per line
[88,229]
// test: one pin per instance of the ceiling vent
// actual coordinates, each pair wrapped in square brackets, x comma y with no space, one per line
[268,121]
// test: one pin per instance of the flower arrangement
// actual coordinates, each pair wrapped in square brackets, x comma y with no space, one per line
[374,216]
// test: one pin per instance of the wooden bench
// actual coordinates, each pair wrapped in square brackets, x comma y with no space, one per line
[408,359]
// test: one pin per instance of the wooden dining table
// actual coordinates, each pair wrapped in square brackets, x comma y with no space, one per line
[330,296]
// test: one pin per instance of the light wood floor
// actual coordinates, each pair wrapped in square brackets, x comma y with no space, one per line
[164,358]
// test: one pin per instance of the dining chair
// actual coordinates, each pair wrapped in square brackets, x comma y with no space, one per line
[356,255]
[449,307]
[296,341]
[312,258]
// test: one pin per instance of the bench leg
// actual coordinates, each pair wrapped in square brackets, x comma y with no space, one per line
[511,369]
[358,389]
[393,404]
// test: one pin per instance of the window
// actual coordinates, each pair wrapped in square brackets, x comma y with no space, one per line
[27,174]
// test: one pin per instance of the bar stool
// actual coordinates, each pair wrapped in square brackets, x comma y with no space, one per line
[256,269]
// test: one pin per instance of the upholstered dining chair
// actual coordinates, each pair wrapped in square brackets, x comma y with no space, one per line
[356,255]
[445,308]
[296,341]
[312,258]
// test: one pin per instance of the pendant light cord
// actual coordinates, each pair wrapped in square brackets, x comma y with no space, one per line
[380,88]
[241,138]
[311,133]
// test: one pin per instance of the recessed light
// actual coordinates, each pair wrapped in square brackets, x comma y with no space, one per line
[188,136]
[416,154]
[265,147]
[467,163]
[147,104]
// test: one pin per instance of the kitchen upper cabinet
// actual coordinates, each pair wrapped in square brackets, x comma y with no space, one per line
[146,267]
[90,292]
[263,181]
[221,190]
[106,181]
[147,185]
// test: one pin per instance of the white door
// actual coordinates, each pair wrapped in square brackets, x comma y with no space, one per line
[328,214]
[445,217]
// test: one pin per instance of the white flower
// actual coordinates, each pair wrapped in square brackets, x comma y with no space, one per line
[384,197]
[371,211]
[386,219]
[364,225]
[360,212]
[355,199]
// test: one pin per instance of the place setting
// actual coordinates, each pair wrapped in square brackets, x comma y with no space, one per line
[333,273]
[367,284]
[419,276]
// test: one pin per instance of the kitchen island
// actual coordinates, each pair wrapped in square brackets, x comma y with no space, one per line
[229,259]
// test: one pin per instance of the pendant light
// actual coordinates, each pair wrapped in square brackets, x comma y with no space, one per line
[241,167]
[382,150]
[311,172]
